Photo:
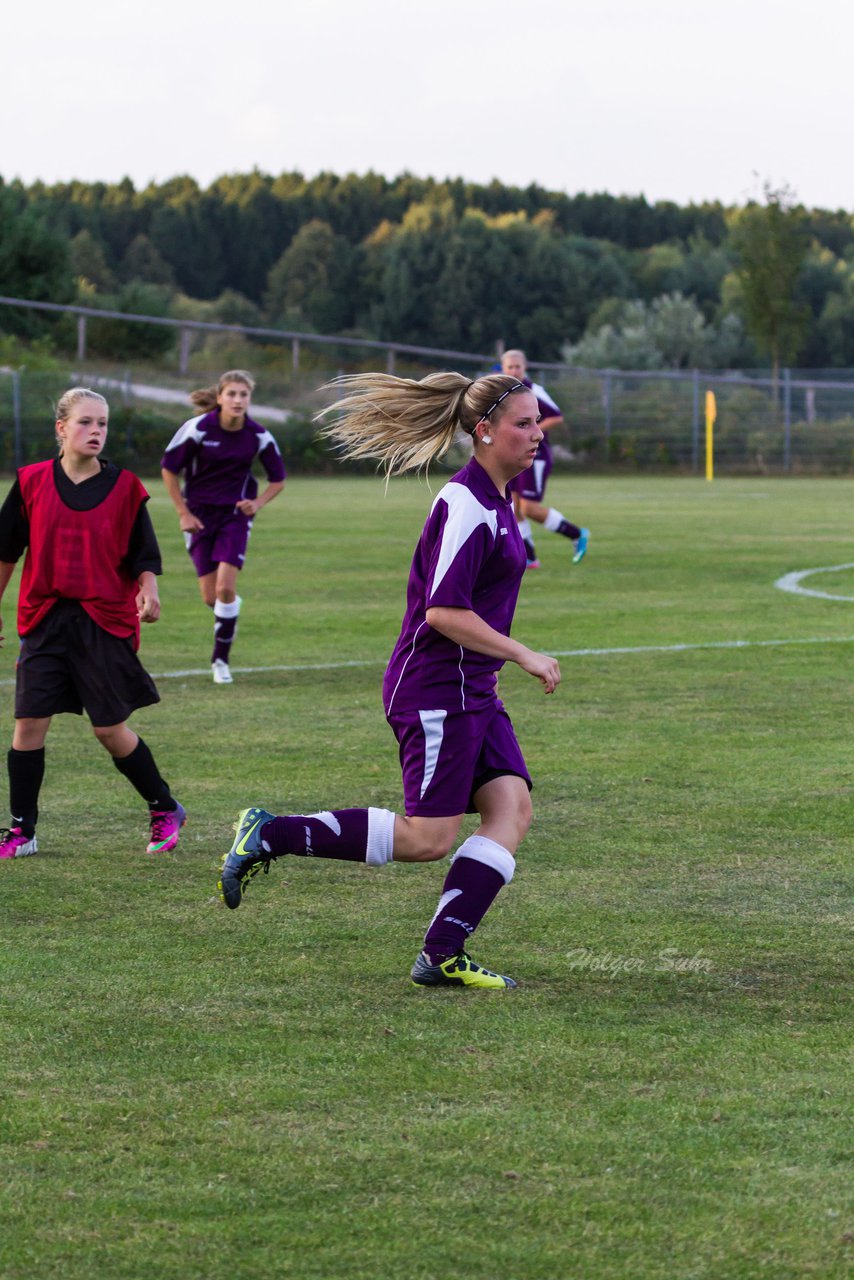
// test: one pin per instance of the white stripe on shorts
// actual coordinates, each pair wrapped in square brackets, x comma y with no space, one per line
[433,724]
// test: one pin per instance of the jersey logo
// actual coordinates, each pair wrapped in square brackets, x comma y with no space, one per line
[210,444]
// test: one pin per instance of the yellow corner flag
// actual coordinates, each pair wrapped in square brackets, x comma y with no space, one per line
[711,414]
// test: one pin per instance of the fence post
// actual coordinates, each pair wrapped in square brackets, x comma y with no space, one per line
[295,354]
[390,361]
[606,404]
[809,405]
[184,350]
[499,349]
[787,420]
[16,415]
[695,424]
[81,337]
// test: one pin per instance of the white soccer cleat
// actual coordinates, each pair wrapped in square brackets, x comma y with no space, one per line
[221,672]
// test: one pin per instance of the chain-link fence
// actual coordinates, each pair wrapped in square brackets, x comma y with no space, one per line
[803,424]
[799,422]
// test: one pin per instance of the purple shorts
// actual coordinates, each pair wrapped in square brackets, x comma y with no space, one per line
[445,756]
[222,541]
[531,484]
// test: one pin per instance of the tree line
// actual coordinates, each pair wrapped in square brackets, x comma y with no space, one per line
[596,280]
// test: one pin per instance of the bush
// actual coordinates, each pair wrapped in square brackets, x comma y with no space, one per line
[125,340]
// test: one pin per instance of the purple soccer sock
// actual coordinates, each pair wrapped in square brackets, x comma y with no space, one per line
[225,628]
[556,522]
[479,870]
[351,835]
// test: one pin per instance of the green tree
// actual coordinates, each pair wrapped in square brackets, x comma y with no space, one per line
[770,241]
[670,333]
[310,282]
[144,263]
[127,339]
[89,263]
[34,264]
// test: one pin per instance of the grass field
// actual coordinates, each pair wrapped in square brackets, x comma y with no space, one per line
[191,1092]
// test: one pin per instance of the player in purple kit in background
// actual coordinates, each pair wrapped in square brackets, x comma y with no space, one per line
[529,488]
[458,750]
[216,450]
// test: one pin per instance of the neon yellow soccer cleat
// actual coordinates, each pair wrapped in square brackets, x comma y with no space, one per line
[246,857]
[457,971]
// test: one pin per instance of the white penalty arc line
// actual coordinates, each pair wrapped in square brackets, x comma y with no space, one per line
[298,667]
[791,582]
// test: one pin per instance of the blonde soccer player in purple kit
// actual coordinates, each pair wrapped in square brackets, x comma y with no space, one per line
[458,750]
[216,450]
[529,488]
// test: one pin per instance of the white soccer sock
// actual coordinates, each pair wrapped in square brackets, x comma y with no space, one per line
[525,529]
[554,520]
[380,848]
[490,853]
[230,610]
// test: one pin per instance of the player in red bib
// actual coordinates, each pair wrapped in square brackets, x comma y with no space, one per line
[89,579]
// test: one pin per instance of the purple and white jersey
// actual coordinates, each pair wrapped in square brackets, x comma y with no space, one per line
[217,464]
[470,556]
[547,409]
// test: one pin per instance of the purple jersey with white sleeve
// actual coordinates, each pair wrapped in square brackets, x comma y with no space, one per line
[217,464]
[470,556]
[532,483]
[547,409]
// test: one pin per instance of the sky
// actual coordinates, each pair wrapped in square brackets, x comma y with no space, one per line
[678,100]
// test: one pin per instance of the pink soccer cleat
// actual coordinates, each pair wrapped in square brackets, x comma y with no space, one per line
[165,829]
[14,844]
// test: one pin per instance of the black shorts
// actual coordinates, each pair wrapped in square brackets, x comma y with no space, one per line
[69,663]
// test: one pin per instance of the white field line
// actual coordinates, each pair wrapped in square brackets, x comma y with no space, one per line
[297,667]
[792,582]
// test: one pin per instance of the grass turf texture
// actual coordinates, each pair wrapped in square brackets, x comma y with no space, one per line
[190,1092]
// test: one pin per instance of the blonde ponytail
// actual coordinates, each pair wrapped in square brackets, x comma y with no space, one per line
[405,423]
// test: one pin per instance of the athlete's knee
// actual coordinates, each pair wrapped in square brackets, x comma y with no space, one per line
[425,843]
[118,739]
[30,734]
[525,812]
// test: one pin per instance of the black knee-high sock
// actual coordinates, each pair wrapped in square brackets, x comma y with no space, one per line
[26,771]
[142,773]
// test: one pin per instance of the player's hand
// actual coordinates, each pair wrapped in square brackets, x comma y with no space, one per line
[190,523]
[247,506]
[148,607]
[546,669]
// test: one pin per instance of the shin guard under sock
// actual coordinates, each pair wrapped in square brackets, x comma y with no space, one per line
[480,868]
[225,628]
[557,523]
[26,773]
[350,835]
[142,773]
